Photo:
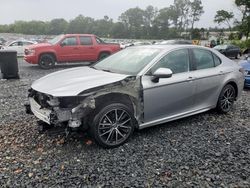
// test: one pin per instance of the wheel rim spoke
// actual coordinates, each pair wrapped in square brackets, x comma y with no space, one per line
[125,121]
[115,126]
[227,99]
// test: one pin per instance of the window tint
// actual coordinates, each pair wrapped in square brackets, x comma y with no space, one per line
[203,59]
[14,44]
[86,41]
[177,61]
[217,60]
[27,43]
[70,41]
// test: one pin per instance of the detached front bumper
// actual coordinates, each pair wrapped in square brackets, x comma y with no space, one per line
[39,112]
[47,115]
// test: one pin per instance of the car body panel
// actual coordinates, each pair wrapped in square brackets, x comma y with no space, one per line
[179,96]
[245,64]
[229,50]
[167,97]
[71,82]
[71,53]
[18,45]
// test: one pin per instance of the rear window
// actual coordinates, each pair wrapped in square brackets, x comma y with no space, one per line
[203,59]
[85,40]
[217,60]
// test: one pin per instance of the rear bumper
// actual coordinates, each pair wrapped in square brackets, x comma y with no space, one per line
[247,81]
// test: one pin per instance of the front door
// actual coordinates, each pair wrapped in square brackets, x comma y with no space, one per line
[68,50]
[170,97]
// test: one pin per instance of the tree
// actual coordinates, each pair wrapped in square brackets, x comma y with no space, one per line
[182,8]
[81,24]
[223,16]
[57,26]
[196,10]
[244,25]
[195,34]
[134,20]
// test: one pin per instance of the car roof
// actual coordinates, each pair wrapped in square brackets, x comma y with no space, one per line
[87,35]
[170,47]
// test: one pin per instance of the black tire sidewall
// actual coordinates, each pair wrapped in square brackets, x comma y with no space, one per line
[48,56]
[103,56]
[99,114]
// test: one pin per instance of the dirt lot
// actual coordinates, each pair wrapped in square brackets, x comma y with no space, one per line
[205,150]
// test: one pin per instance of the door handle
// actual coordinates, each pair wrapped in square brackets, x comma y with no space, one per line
[190,78]
[75,48]
[221,72]
[91,47]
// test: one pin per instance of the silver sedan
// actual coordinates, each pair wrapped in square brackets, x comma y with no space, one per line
[137,88]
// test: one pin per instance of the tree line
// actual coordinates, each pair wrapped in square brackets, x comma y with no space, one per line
[148,23]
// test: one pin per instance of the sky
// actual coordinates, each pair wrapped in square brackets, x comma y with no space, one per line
[46,10]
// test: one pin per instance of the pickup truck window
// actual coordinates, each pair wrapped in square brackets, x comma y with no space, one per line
[86,40]
[69,41]
[99,41]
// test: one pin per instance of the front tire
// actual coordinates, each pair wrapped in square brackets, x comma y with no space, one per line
[226,99]
[237,56]
[46,61]
[112,125]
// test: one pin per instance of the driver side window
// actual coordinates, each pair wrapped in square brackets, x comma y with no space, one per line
[177,61]
[69,41]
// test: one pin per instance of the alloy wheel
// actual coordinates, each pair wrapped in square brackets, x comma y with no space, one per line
[115,126]
[227,99]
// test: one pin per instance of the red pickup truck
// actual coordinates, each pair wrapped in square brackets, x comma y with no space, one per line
[69,48]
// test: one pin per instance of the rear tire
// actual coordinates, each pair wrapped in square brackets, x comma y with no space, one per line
[46,61]
[112,125]
[237,56]
[103,56]
[226,99]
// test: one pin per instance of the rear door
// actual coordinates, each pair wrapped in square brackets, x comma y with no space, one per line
[88,51]
[208,76]
[69,50]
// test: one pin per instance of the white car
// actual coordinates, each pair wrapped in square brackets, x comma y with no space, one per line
[18,45]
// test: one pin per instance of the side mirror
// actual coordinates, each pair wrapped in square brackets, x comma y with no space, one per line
[62,44]
[161,73]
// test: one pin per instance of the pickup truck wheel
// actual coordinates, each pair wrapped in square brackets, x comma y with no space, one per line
[103,56]
[46,61]
[112,125]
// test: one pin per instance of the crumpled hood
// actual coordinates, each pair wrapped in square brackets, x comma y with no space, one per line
[71,82]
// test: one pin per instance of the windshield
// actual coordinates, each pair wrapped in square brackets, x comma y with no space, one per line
[56,39]
[221,47]
[128,61]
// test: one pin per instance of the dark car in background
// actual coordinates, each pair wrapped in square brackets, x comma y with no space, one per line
[229,50]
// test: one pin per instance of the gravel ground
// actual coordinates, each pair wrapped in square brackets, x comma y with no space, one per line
[205,150]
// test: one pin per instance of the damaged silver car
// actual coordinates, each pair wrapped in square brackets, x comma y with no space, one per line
[136,88]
